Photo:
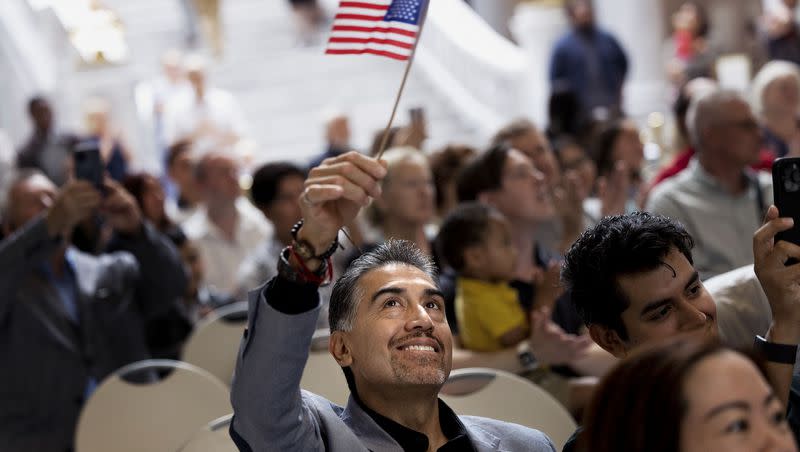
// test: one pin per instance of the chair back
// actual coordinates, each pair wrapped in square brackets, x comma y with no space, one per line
[152,414]
[214,437]
[507,397]
[214,343]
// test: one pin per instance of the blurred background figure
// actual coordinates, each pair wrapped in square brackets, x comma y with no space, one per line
[406,205]
[114,151]
[149,195]
[337,137]
[309,18]
[226,227]
[775,98]
[209,15]
[619,158]
[782,34]
[181,166]
[687,51]
[209,117]
[275,192]
[445,165]
[47,149]
[591,63]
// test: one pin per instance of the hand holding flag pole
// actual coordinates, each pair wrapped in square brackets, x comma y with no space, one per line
[388,28]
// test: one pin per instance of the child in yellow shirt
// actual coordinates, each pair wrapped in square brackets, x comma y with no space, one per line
[475,240]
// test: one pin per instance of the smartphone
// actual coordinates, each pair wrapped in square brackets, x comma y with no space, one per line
[88,164]
[786,190]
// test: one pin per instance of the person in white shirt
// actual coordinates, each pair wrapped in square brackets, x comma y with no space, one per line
[210,117]
[226,228]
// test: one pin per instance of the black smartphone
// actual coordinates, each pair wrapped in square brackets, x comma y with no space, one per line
[786,190]
[88,164]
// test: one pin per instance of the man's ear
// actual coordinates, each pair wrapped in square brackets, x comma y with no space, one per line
[608,340]
[340,349]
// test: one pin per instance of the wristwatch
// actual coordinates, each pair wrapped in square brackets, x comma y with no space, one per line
[774,352]
[305,250]
[525,356]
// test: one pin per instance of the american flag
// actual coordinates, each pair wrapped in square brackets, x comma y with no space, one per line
[382,27]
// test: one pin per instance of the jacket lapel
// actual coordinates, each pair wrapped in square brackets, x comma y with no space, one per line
[481,439]
[44,302]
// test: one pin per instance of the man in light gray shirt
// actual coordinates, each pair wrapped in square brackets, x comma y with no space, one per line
[718,198]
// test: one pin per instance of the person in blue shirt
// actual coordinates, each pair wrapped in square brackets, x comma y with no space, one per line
[591,63]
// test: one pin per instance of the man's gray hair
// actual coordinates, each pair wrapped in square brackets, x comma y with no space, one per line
[705,112]
[346,293]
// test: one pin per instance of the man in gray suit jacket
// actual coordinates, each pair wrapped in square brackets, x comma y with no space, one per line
[68,319]
[389,334]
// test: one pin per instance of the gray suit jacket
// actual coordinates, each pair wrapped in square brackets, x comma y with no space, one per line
[273,414]
[48,359]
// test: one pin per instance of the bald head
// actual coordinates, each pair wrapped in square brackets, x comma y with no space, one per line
[217,177]
[29,194]
[721,123]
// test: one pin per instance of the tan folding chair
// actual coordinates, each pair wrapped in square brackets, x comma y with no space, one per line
[507,397]
[323,375]
[132,417]
[214,437]
[214,343]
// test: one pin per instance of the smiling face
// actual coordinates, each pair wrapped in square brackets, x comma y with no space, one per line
[662,305]
[731,407]
[399,337]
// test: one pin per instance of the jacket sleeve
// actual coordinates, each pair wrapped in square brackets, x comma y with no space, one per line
[20,253]
[269,411]
[162,277]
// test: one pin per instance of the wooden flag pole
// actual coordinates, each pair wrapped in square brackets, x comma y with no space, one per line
[385,139]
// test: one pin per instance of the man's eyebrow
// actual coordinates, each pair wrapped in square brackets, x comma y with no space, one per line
[695,277]
[385,290]
[434,293]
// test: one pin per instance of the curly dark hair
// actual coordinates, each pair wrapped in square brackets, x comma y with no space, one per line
[618,245]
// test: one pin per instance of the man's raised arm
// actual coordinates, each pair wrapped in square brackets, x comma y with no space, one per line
[269,413]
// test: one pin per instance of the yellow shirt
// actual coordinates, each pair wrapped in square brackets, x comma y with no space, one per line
[485,312]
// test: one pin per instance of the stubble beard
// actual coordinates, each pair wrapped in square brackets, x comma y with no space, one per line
[421,370]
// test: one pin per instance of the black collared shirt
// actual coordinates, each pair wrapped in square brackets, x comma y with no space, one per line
[414,441]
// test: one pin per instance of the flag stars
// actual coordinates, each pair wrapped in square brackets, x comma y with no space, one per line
[404,11]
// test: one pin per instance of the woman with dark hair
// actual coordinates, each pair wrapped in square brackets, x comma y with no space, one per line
[150,197]
[445,165]
[686,396]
